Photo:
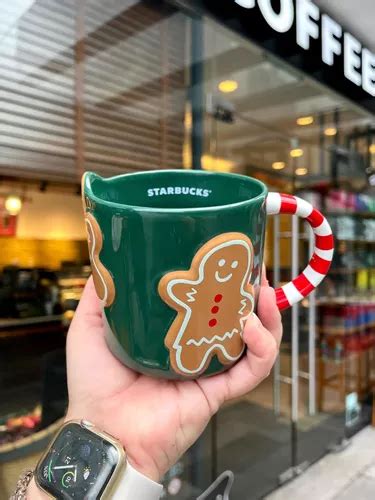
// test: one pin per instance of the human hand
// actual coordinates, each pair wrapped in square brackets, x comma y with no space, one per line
[157,420]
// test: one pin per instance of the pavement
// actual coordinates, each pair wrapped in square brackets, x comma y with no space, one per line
[347,475]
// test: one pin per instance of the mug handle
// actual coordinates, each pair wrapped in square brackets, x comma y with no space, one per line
[314,273]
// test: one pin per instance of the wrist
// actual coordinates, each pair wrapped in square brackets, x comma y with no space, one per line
[143,464]
[34,493]
[145,468]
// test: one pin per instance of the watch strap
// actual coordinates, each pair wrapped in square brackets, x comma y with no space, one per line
[135,486]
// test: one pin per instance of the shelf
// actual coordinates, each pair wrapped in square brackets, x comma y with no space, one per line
[305,237]
[325,301]
[359,240]
[343,330]
[345,270]
[36,320]
[362,215]
[348,356]
[318,183]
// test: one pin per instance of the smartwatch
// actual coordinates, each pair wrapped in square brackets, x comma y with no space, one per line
[84,463]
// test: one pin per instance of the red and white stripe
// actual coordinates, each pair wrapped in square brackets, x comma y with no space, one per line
[320,262]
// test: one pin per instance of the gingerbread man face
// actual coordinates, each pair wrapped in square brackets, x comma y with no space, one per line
[226,263]
[212,300]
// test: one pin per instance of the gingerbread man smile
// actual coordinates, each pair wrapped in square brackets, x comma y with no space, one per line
[212,300]
[222,263]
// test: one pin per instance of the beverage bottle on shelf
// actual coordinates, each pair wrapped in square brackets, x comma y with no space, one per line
[324,348]
[339,351]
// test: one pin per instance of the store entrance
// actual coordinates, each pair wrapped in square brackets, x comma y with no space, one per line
[275,432]
[264,120]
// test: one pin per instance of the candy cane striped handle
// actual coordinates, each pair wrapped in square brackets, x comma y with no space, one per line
[318,267]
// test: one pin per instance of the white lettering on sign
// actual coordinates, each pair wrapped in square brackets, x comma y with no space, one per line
[331,32]
[178,190]
[359,62]
[282,21]
[308,15]
[352,59]
[246,4]
[368,71]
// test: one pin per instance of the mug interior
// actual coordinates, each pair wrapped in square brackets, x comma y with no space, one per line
[181,189]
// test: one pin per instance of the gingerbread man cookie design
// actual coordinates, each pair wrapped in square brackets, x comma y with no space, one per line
[213,300]
[103,281]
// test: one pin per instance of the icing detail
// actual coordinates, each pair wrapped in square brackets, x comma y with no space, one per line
[243,302]
[223,280]
[191,294]
[203,340]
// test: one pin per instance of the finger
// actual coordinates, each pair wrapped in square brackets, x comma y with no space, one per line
[89,308]
[264,280]
[87,323]
[269,313]
[247,373]
[261,345]
[87,348]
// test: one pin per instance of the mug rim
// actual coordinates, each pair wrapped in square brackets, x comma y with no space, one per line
[88,175]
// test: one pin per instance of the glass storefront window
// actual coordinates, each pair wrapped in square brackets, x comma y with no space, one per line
[119,86]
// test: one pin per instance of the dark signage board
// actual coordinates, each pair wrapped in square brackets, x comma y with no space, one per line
[298,32]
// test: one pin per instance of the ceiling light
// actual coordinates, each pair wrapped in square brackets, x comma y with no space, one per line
[372,149]
[13,204]
[305,120]
[330,131]
[278,165]
[296,152]
[301,171]
[227,86]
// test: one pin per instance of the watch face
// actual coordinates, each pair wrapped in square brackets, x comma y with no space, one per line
[78,465]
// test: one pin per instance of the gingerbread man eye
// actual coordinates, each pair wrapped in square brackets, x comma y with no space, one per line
[222,262]
[234,264]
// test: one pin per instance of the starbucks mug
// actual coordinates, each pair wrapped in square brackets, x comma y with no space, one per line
[176,258]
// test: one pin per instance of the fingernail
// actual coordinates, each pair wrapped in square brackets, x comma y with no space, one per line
[256,319]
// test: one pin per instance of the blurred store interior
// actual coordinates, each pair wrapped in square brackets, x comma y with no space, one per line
[120,86]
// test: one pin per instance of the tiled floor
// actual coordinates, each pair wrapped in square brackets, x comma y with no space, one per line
[349,475]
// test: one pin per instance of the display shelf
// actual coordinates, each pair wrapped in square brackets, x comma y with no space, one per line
[361,215]
[346,357]
[344,330]
[354,240]
[36,320]
[305,237]
[352,299]
[350,270]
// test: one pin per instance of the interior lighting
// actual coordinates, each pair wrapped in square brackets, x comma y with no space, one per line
[227,86]
[303,121]
[301,171]
[296,152]
[13,204]
[330,131]
[278,165]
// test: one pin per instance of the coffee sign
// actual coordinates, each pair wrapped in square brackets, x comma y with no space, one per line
[307,38]
[359,62]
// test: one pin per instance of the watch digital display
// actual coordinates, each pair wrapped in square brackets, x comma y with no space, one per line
[78,465]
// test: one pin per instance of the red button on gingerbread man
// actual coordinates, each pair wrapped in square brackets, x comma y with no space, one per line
[212,299]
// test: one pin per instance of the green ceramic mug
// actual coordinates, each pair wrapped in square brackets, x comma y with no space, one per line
[176,257]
